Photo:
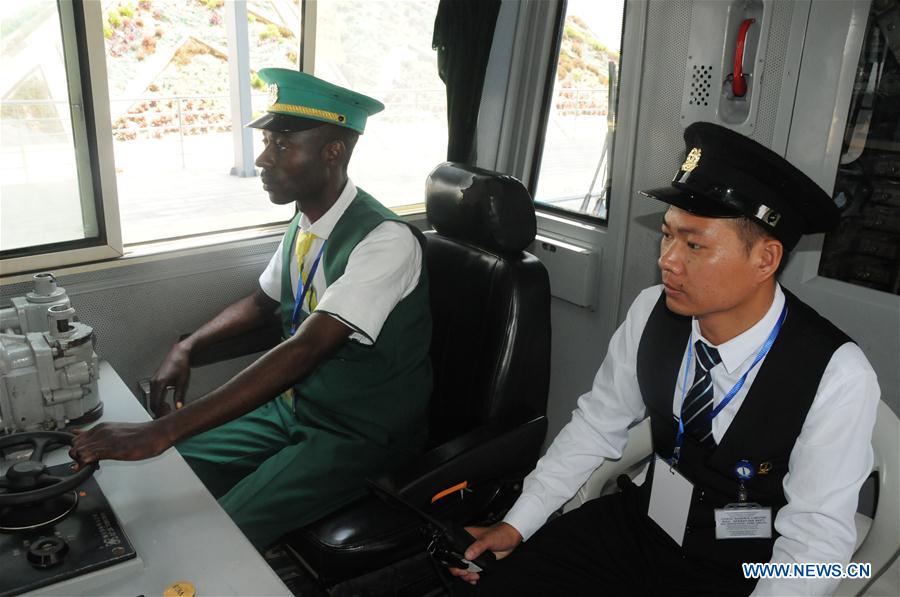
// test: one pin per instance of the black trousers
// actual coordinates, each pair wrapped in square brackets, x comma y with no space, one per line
[608,546]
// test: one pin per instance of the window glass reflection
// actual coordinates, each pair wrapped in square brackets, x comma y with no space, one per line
[865,250]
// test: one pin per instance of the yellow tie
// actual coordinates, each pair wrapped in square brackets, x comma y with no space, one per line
[304,242]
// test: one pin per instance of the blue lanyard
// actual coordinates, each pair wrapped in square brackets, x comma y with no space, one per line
[304,288]
[764,349]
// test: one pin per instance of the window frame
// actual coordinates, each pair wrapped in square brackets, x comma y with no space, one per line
[81,26]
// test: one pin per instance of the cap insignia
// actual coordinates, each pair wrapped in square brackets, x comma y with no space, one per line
[767,215]
[273,93]
[692,161]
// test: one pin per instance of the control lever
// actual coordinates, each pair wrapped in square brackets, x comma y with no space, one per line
[739,81]
[448,543]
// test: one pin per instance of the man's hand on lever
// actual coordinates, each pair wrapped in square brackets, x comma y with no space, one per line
[248,313]
[174,372]
[501,539]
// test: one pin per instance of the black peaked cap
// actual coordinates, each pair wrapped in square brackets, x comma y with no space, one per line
[728,175]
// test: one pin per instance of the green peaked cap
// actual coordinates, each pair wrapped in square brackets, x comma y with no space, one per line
[299,101]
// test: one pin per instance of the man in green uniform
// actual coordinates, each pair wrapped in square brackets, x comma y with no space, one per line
[351,379]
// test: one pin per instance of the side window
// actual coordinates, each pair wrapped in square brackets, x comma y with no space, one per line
[46,182]
[573,168]
[172,107]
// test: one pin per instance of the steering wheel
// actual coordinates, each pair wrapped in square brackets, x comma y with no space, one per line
[28,481]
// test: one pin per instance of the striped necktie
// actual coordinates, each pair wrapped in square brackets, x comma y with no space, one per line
[699,400]
[304,243]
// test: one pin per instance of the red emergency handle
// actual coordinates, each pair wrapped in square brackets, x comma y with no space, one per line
[738,82]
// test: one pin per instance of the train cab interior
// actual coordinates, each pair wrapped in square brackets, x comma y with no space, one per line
[515,140]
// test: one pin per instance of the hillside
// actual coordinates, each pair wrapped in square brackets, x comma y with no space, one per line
[584,66]
[161,49]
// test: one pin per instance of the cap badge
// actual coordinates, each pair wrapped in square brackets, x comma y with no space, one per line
[273,93]
[767,215]
[692,161]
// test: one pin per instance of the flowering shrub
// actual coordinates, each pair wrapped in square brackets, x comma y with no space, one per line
[154,119]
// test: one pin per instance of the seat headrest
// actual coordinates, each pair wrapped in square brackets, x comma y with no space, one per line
[486,208]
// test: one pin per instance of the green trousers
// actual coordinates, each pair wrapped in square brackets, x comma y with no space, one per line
[273,474]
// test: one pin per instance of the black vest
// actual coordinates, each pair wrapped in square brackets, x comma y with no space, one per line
[763,431]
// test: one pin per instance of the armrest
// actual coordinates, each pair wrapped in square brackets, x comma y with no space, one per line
[485,453]
[258,340]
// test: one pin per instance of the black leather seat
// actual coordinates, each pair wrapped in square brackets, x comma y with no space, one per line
[490,350]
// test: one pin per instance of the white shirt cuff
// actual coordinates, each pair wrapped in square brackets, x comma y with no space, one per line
[526,516]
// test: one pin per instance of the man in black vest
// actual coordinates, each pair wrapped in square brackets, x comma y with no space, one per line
[761,410]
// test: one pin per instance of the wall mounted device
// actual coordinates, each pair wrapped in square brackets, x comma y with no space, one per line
[48,367]
[726,52]
[574,270]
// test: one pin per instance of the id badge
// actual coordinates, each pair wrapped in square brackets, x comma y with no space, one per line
[743,521]
[670,500]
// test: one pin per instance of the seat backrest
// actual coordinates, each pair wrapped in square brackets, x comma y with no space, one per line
[490,302]
[880,546]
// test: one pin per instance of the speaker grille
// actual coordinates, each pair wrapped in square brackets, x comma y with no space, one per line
[701,78]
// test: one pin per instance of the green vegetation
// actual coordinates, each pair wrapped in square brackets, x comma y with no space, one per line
[582,74]
[271,31]
[256,82]
[598,46]
[572,33]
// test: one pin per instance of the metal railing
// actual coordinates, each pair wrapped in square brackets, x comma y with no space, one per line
[582,101]
[157,117]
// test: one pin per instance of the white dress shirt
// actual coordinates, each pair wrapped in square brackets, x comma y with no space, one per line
[382,270]
[829,462]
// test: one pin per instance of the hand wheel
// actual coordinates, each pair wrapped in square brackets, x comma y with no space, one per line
[28,481]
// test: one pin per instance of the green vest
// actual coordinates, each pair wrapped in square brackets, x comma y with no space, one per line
[380,392]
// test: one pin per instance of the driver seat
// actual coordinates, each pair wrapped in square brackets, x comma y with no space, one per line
[490,351]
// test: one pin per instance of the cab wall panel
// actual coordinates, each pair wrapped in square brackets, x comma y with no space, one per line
[138,311]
